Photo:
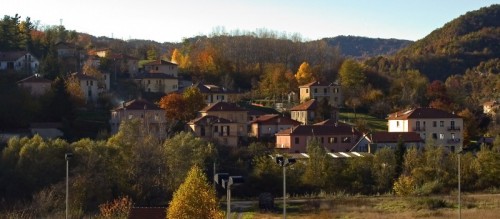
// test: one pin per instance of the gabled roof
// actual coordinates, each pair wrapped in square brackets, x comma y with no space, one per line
[65,45]
[208,120]
[222,106]
[138,104]
[36,78]
[154,76]
[12,56]
[275,119]
[310,130]
[82,76]
[308,105]
[318,83]
[394,137]
[421,113]
[160,62]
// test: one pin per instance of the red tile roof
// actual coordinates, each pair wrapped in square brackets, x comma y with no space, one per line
[394,137]
[309,130]
[12,56]
[35,79]
[208,120]
[331,122]
[138,104]
[222,106]
[318,83]
[275,119]
[160,62]
[308,105]
[421,113]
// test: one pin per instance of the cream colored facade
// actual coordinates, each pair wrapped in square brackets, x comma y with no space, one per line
[164,85]
[318,91]
[446,130]
[238,117]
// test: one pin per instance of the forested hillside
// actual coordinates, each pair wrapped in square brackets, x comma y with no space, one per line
[461,44]
[362,47]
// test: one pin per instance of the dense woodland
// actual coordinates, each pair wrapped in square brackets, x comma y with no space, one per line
[455,68]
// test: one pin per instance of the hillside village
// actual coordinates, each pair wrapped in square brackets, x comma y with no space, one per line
[136,120]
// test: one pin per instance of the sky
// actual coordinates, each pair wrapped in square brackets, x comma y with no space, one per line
[173,20]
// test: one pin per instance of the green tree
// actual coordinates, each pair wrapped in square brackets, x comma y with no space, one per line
[384,169]
[194,101]
[317,167]
[304,75]
[351,75]
[194,198]
[183,151]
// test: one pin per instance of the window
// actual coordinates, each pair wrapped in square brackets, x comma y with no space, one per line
[202,131]
[322,140]
[452,135]
[216,128]
[149,81]
[441,136]
[297,140]
[90,93]
[434,136]
[325,90]
[346,139]
[91,83]
[452,124]
[307,91]
[434,123]
[332,140]
[315,90]
[397,123]
[441,123]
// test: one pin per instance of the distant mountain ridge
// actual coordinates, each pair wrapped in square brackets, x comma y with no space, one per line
[358,47]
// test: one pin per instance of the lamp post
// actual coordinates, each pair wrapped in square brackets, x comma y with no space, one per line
[284,162]
[226,182]
[67,156]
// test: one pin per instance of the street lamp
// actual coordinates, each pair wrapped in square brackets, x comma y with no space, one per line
[284,162]
[226,182]
[67,156]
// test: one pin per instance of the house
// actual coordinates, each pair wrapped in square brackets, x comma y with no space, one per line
[320,90]
[48,130]
[270,124]
[377,140]
[36,84]
[65,49]
[19,61]
[214,93]
[340,138]
[157,82]
[310,111]
[215,129]
[88,86]
[125,64]
[152,116]
[231,122]
[442,127]
[161,66]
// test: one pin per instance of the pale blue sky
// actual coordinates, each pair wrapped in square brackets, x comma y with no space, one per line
[171,21]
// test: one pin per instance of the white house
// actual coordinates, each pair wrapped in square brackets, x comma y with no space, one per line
[19,61]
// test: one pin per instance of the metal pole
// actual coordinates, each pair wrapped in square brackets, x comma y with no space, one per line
[228,211]
[67,185]
[284,190]
[459,189]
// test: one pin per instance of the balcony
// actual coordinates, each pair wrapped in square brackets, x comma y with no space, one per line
[453,141]
[453,128]
[419,129]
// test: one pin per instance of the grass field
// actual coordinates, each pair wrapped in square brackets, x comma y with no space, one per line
[375,124]
[483,206]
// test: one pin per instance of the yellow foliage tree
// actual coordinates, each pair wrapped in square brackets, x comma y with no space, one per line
[194,198]
[77,96]
[304,74]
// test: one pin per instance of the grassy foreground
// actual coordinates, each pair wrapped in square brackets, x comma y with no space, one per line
[482,206]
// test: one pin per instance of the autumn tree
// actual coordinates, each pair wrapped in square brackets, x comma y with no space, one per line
[194,102]
[304,75]
[174,106]
[194,198]
[74,90]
